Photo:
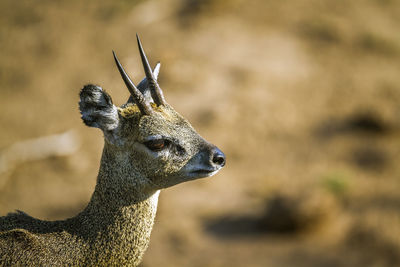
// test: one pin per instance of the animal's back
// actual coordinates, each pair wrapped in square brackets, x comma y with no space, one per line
[20,247]
[28,241]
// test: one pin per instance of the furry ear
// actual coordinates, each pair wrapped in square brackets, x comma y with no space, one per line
[97,108]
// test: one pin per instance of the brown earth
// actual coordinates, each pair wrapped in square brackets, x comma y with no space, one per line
[302,96]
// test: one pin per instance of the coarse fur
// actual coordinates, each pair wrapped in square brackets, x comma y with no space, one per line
[115,227]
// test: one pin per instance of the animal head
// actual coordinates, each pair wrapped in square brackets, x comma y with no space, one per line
[148,137]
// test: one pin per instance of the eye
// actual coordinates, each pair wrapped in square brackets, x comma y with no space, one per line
[157,144]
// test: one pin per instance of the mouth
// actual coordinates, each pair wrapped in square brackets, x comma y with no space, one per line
[203,173]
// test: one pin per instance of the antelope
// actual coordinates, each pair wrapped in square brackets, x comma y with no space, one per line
[148,146]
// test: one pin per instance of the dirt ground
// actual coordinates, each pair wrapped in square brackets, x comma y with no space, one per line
[302,96]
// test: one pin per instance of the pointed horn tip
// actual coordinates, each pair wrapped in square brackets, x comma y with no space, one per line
[145,61]
[114,55]
[157,67]
[139,44]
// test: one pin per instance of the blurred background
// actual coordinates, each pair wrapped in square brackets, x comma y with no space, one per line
[302,96]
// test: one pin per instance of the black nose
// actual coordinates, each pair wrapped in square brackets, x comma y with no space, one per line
[218,157]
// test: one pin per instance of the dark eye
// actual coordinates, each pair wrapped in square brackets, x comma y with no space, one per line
[157,144]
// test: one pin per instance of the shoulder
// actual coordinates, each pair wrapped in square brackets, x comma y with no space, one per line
[19,247]
[18,238]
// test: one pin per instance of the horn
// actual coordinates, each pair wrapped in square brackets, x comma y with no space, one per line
[137,96]
[156,70]
[156,92]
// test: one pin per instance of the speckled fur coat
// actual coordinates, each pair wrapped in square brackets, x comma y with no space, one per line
[114,229]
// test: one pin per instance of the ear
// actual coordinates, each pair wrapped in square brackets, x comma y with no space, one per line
[97,108]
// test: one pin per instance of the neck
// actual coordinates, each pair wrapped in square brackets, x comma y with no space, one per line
[119,217]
